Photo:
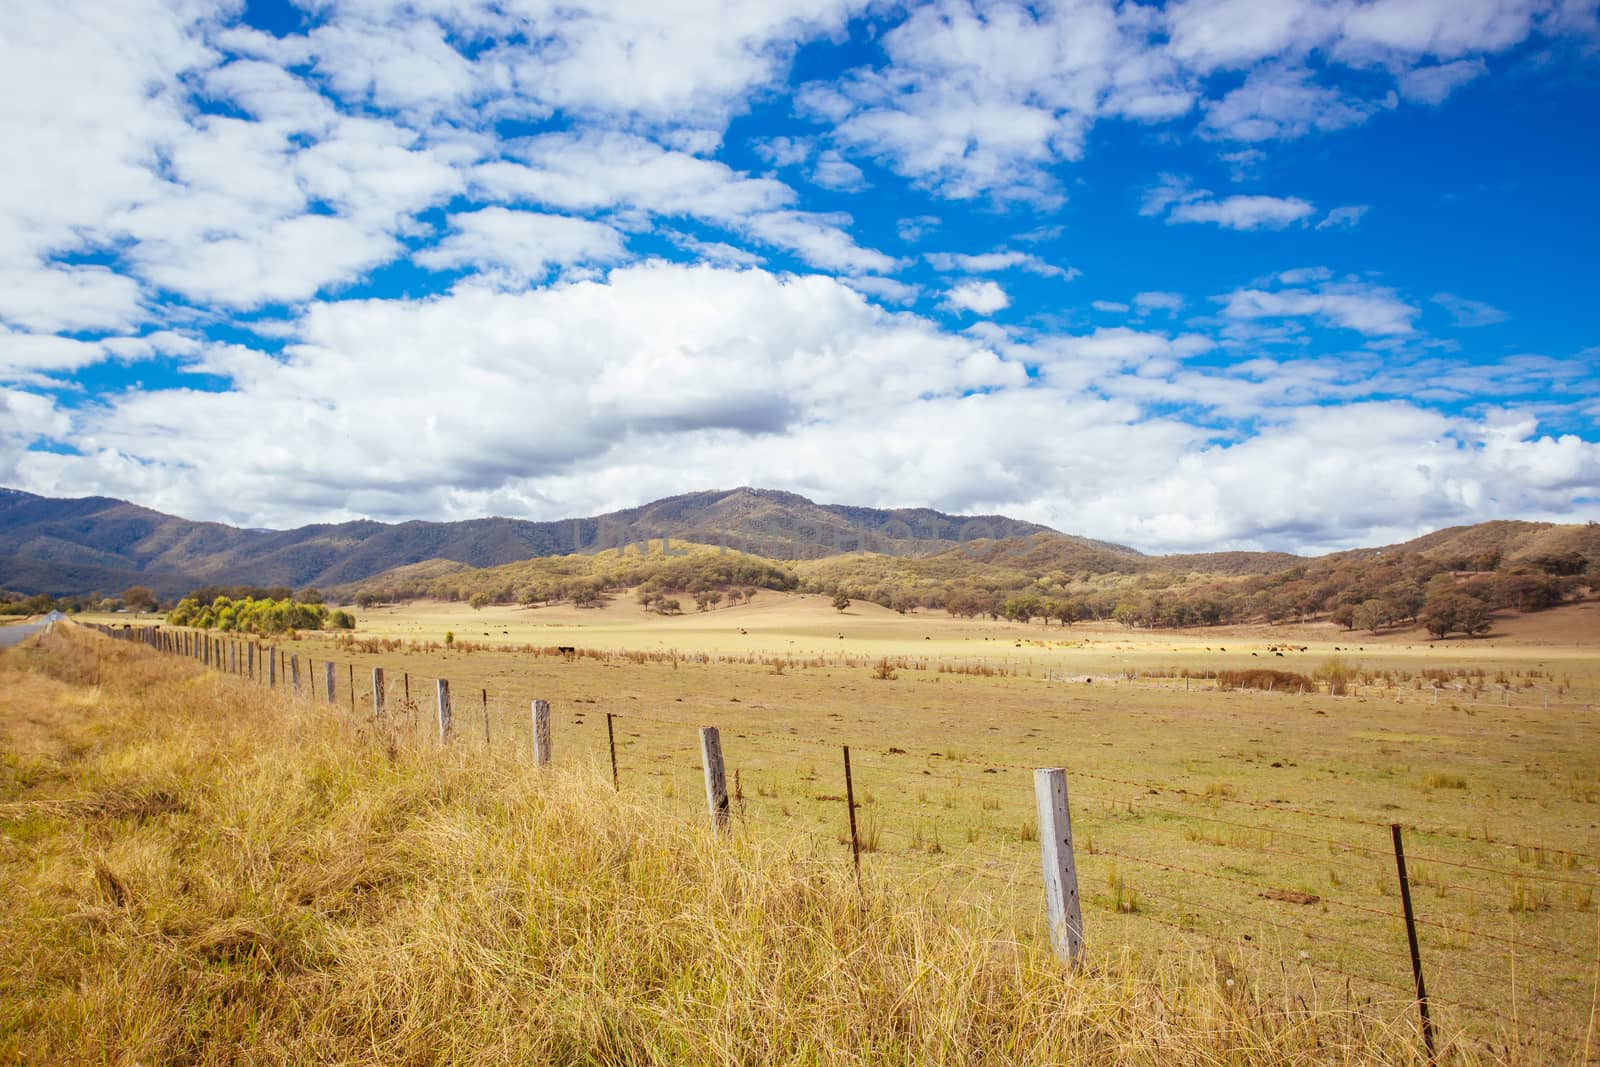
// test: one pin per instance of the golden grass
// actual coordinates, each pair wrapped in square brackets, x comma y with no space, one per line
[198,872]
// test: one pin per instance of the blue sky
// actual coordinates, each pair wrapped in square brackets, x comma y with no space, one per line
[1199,275]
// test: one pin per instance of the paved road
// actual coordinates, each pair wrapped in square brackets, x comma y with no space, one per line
[15,635]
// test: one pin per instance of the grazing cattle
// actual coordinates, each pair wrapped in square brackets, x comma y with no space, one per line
[569,651]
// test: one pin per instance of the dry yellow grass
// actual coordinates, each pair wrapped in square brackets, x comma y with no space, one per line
[200,872]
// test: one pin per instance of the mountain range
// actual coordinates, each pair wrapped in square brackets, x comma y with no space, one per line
[98,544]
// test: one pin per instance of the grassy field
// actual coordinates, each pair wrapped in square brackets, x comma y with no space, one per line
[199,871]
[1245,827]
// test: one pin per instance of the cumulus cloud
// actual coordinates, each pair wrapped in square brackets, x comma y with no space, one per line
[525,244]
[1366,308]
[1175,199]
[982,297]
[190,181]
[666,378]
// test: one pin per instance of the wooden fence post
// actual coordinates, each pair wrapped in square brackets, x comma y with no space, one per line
[377,692]
[352,688]
[272,668]
[850,802]
[442,695]
[250,659]
[541,733]
[485,693]
[1411,937]
[716,784]
[1060,868]
[294,673]
[611,743]
[328,679]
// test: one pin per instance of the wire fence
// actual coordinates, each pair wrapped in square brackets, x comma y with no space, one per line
[1506,929]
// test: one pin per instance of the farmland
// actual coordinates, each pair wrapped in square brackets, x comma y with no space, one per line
[1245,823]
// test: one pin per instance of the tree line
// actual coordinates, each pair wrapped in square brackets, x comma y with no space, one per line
[265,616]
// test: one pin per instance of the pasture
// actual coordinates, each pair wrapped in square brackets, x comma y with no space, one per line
[1251,826]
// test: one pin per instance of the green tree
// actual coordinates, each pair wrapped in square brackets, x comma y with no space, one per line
[840,602]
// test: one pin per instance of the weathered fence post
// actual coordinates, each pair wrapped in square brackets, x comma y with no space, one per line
[716,785]
[1411,938]
[294,673]
[352,688]
[485,693]
[611,743]
[442,695]
[850,803]
[1060,868]
[272,668]
[250,659]
[328,679]
[541,733]
[377,692]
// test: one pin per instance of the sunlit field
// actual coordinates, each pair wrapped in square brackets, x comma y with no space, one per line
[1246,826]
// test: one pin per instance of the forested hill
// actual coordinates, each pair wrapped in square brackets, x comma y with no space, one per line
[76,546]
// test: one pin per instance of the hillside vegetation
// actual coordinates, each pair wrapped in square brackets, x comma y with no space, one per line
[199,872]
[1039,578]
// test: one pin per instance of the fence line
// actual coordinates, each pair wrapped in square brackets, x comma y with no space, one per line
[633,734]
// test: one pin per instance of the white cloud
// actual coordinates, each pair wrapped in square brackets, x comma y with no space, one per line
[1433,85]
[1284,102]
[1245,212]
[1344,217]
[833,171]
[599,170]
[992,262]
[785,151]
[603,171]
[1171,303]
[608,58]
[579,397]
[1368,309]
[1179,202]
[525,244]
[1464,312]
[164,183]
[1244,164]
[818,239]
[982,98]
[983,297]
[989,97]
[40,296]
[895,292]
[915,229]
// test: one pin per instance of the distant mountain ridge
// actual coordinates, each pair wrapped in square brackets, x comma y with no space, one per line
[67,546]
[74,546]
